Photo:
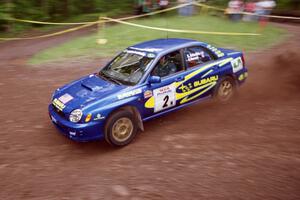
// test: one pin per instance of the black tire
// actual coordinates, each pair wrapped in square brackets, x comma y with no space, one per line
[219,93]
[111,130]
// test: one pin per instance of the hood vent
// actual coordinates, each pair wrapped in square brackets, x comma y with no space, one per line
[91,87]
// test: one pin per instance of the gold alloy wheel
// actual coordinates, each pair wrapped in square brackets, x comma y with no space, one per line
[225,90]
[122,129]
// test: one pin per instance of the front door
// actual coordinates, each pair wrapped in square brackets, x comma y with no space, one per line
[170,68]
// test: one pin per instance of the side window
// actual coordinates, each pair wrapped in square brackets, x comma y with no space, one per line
[168,64]
[196,56]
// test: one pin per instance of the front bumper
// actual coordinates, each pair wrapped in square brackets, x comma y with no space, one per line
[80,132]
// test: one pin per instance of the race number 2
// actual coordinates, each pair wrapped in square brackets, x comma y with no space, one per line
[164,97]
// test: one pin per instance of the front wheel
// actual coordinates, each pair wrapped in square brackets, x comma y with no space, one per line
[225,90]
[120,128]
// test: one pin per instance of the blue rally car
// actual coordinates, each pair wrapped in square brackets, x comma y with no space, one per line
[143,82]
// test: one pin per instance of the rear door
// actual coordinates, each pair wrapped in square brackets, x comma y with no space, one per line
[200,77]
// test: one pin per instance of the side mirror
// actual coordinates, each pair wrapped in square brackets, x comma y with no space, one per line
[154,79]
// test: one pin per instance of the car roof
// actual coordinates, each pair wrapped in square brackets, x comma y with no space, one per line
[162,45]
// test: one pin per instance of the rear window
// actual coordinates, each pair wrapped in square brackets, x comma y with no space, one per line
[196,56]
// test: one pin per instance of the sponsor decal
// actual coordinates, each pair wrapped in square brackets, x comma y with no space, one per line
[190,86]
[58,104]
[165,97]
[151,55]
[237,64]
[65,98]
[215,50]
[195,56]
[146,49]
[130,93]
[148,94]
[135,52]
[99,117]
[201,89]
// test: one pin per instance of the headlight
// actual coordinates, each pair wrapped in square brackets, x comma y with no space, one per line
[75,116]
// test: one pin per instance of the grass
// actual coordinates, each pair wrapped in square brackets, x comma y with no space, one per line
[121,36]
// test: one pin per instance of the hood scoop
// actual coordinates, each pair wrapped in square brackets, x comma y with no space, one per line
[91,86]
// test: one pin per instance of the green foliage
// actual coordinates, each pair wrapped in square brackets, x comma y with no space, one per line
[57,10]
[5,12]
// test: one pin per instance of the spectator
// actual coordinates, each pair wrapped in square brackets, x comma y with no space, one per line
[143,6]
[264,7]
[250,7]
[235,9]
[186,10]
[163,4]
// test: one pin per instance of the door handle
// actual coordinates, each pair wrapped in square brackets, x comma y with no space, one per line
[179,78]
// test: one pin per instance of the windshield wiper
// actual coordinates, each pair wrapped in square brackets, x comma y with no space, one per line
[109,78]
[115,80]
[102,75]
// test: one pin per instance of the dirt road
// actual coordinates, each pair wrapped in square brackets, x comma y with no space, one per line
[249,149]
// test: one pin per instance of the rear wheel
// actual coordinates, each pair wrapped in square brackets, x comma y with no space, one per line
[225,90]
[121,128]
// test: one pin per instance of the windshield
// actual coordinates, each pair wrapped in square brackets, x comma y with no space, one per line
[127,68]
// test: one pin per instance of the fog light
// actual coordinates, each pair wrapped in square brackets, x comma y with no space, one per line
[88,118]
[72,133]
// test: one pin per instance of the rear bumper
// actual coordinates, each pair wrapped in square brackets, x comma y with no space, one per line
[84,132]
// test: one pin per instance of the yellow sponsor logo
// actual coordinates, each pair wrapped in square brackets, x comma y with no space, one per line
[59,105]
[205,89]
[198,83]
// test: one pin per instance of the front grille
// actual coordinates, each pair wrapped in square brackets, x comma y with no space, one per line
[60,113]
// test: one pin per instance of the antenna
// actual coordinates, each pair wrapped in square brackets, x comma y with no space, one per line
[167,28]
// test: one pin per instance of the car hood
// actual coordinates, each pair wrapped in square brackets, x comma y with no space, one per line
[86,90]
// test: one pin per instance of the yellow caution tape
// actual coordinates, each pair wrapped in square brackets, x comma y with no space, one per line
[53,34]
[47,23]
[180,30]
[271,16]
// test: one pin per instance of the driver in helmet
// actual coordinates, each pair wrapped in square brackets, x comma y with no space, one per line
[166,66]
